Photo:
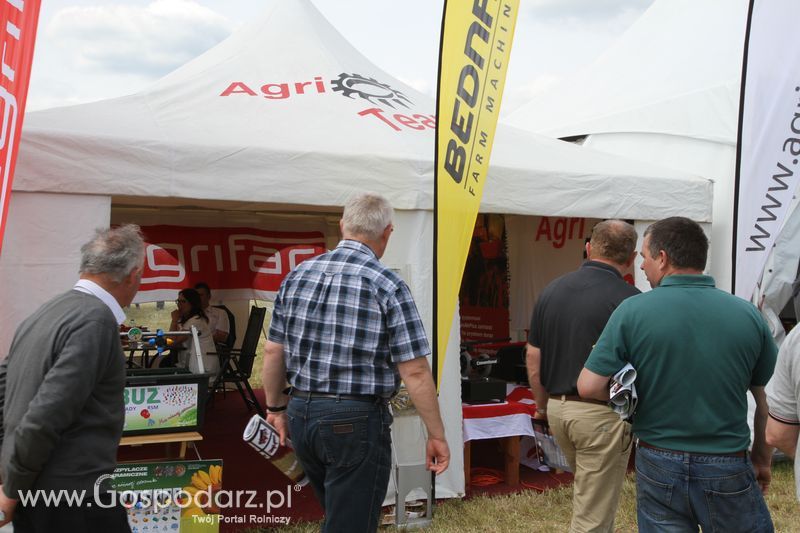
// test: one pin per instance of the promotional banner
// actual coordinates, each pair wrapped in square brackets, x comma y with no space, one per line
[483,297]
[152,407]
[769,137]
[249,261]
[18,26]
[473,59]
[172,496]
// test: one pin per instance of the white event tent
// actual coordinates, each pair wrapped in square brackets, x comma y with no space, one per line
[667,92]
[283,121]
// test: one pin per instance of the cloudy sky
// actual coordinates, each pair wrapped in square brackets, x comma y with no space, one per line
[88,50]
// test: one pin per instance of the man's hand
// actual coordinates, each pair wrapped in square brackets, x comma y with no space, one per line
[7,506]
[761,454]
[533,356]
[417,376]
[437,455]
[280,422]
[763,475]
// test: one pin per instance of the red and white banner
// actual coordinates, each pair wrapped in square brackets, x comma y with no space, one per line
[769,137]
[18,20]
[236,262]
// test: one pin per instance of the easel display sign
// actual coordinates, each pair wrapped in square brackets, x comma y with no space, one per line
[171,497]
[164,401]
[154,407]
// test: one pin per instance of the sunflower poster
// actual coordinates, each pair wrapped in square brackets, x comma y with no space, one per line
[170,497]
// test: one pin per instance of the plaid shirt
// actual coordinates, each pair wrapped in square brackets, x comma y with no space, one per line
[345,321]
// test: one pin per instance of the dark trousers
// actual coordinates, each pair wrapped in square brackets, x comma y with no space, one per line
[677,492]
[345,449]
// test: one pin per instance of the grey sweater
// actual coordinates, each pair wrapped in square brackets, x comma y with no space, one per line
[61,391]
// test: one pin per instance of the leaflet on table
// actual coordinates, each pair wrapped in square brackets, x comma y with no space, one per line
[622,392]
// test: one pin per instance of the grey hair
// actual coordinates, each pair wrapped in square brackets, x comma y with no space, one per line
[367,215]
[113,251]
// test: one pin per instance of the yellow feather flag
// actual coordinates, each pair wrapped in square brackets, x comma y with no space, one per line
[473,59]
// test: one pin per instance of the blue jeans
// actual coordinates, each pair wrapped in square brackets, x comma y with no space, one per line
[345,449]
[676,492]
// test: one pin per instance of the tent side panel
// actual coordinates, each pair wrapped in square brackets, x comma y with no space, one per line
[41,253]
[410,252]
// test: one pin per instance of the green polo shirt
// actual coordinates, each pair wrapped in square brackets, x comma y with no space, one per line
[696,350]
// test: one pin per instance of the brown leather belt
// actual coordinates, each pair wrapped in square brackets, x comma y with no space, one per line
[576,398]
[305,395]
[643,444]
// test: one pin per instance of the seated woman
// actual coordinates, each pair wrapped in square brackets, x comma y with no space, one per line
[190,313]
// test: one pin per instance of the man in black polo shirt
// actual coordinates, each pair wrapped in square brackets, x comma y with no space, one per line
[567,320]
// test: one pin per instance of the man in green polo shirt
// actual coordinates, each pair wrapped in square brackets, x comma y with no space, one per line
[696,350]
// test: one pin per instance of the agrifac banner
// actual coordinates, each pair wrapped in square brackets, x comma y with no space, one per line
[769,137]
[473,59]
[18,34]
[239,262]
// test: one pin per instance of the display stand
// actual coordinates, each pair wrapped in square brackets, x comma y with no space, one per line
[408,478]
[410,472]
[185,438]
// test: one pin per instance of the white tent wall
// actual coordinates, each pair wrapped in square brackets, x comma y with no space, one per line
[705,158]
[410,252]
[41,251]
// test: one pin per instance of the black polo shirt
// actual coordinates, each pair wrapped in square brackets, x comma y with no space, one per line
[568,318]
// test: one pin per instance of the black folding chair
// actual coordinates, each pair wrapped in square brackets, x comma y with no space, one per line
[231,339]
[236,365]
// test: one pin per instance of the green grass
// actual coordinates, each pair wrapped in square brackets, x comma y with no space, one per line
[550,511]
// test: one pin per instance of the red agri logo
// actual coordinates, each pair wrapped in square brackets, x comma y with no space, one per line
[352,86]
[230,258]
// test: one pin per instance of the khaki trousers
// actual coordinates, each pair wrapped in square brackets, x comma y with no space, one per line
[597,445]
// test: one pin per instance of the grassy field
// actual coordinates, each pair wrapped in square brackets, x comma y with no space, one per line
[550,511]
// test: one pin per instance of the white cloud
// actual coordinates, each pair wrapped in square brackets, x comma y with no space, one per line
[584,9]
[148,40]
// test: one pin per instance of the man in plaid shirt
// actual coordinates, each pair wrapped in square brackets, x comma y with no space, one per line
[344,331]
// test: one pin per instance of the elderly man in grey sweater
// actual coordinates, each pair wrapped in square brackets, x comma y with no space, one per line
[61,389]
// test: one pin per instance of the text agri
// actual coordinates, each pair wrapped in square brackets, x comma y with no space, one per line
[351,86]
